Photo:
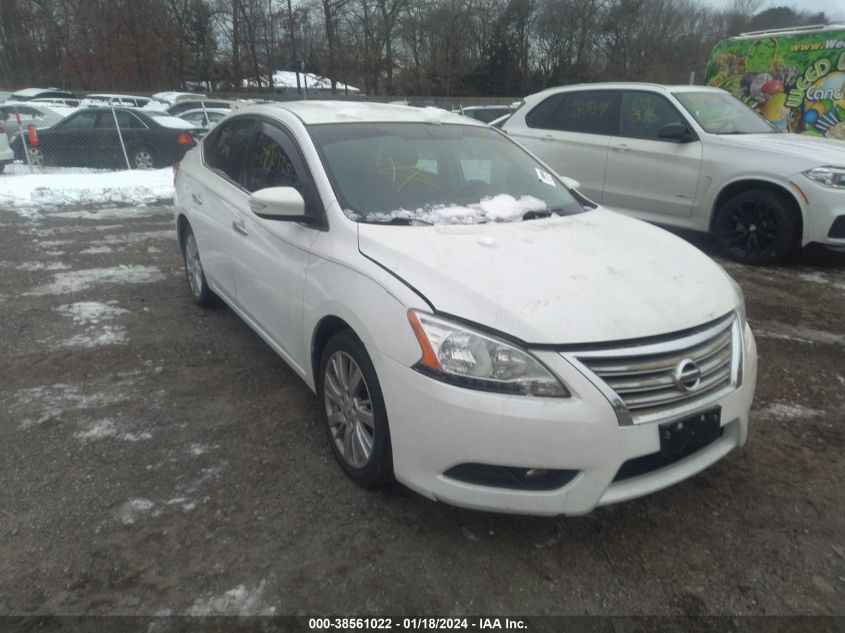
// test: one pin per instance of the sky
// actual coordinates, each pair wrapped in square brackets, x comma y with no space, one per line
[835,9]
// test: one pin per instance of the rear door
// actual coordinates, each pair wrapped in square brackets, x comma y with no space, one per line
[71,142]
[216,197]
[571,132]
[648,175]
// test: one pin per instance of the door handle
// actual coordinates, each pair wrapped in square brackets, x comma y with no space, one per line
[621,148]
[240,227]
[196,199]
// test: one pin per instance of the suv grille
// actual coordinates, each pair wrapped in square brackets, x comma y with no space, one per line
[658,381]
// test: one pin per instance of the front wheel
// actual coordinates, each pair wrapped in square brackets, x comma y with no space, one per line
[356,418]
[200,292]
[142,158]
[756,227]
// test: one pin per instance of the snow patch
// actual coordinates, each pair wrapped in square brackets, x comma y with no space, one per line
[797,333]
[29,194]
[96,250]
[98,430]
[35,266]
[125,213]
[785,411]
[241,600]
[75,281]
[134,509]
[500,208]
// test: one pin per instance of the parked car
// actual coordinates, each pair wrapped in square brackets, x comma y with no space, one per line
[469,323]
[89,138]
[28,94]
[40,115]
[125,101]
[692,157]
[6,153]
[498,123]
[188,104]
[71,103]
[485,113]
[4,95]
[205,118]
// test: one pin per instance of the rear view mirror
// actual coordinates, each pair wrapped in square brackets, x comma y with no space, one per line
[676,132]
[278,203]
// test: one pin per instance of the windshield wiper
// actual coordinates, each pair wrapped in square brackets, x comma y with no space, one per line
[398,221]
[536,215]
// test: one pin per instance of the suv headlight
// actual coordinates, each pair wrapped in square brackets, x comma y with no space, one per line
[828,176]
[740,300]
[466,357]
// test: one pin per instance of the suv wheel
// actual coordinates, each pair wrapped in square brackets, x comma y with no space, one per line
[756,227]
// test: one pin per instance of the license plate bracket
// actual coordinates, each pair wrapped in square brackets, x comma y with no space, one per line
[685,436]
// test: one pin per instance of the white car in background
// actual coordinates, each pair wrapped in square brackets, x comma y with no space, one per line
[469,323]
[6,153]
[205,118]
[123,101]
[40,115]
[691,157]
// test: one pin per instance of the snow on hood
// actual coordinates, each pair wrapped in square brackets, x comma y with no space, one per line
[500,208]
[812,151]
[585,278]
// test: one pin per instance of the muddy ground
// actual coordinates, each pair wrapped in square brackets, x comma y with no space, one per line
[159,458]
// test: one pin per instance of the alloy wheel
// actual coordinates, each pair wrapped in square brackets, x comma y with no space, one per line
[751,229]
[143,159]
[193,265]
[349,409]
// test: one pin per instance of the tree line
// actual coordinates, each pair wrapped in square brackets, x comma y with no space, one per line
[384,47]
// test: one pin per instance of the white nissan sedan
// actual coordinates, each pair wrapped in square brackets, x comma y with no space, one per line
[471,325]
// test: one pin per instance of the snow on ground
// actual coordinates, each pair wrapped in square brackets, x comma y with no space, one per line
[77,280]
[287,79]
[93,317]
[241,600]
[785,411]
[134,509]
[37,405]
[501,208]
[125,213]
[36,266]
[797,333]
[106,428]
[30,194]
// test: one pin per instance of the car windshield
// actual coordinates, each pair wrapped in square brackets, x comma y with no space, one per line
[408,173]
[721,113]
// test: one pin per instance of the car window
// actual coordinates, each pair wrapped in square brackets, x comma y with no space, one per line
[270,166]
[124,119]
[541,114]
[226,150]
[588,112]
[643,114]
[81,121]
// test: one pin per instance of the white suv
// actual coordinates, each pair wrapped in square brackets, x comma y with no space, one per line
[6,153]
[691,157]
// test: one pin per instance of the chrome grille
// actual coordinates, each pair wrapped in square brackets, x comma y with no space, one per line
[640,379]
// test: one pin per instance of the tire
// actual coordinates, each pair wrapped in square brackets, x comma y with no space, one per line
[757,227]
[202,295]
[356,418]
[141,158]
[37,157]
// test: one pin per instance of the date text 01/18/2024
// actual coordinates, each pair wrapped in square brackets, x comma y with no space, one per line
[416,624]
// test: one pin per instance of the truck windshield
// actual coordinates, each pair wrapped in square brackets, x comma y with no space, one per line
[720,113]
[420,173]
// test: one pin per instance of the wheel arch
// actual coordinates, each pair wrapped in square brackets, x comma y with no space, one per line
[741,185]
[182,223]
[325,329]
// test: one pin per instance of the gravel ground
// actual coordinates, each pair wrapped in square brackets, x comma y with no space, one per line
[159,458]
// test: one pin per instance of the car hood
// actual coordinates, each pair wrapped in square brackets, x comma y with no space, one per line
[592,277]
[812,151]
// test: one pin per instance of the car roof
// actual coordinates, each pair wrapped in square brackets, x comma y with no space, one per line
[106,95]
[32,92]
[317,112]
[58,108]
[627,85]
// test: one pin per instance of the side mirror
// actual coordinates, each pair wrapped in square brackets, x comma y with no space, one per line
[571,182]
[278,203]
[676,132]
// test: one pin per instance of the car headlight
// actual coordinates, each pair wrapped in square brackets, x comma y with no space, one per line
[463,356]
[740,300]
[828,176]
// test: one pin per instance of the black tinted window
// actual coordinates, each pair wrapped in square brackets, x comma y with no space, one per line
[124,119]
[226,150]
[270,166]
[81,121]
[587,112]
[539,117]
[641,115]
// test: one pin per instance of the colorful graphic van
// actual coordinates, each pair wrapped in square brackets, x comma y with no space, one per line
[793,77]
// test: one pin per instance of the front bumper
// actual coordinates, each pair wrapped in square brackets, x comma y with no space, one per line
[825,205]
[435,426]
